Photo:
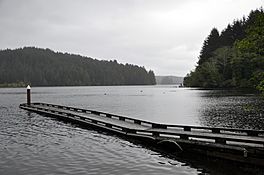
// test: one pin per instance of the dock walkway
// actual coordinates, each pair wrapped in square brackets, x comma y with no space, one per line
[234,144]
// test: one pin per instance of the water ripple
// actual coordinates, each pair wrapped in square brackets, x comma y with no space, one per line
[36,145]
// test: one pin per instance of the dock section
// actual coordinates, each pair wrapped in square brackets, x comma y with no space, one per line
[239,145]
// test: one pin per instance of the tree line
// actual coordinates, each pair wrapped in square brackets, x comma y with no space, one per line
[44,67]
[233,57]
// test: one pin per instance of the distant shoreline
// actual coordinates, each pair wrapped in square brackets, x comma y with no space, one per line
[1,86]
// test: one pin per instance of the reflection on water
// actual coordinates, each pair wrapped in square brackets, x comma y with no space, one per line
[35,144]
[232,109]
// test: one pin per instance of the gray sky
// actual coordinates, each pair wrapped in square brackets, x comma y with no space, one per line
[163,35]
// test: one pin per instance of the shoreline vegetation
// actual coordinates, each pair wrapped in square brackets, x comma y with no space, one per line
[24,85]
[13,85]
[232,58]
[44,67]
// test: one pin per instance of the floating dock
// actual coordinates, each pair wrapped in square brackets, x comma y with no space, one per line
[238,145]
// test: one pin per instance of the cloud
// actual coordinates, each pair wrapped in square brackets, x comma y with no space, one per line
[165,36]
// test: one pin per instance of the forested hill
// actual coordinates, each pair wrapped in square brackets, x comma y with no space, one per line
[233,57]
[44,67]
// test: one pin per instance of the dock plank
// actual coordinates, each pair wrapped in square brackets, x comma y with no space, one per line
[258,141]
[235,144]
[207,135]
[99,118]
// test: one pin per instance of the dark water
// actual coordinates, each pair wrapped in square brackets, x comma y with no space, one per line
[34,144]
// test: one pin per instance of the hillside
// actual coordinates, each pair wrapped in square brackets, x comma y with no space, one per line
[232,58]
[44,67]
[169,80]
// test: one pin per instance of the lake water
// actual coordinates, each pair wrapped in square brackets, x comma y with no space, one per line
[34,144]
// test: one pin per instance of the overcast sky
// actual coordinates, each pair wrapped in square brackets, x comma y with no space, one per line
[163,35]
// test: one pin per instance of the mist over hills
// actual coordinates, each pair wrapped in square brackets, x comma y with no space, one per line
[169,80]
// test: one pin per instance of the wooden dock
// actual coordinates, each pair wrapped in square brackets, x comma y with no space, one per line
[238,145]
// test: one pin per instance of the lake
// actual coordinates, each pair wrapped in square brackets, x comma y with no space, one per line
[35,144]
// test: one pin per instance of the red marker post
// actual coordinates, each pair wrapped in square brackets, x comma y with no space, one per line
[28,95]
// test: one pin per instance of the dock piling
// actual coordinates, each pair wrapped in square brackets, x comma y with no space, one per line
[28,95]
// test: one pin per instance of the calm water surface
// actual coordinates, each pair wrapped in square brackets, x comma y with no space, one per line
[34,144]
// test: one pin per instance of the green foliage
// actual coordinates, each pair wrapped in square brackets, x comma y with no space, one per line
[260,87]
[13,85]
[43,67]
[235,58]
[254,41]
[205,76]
[258,81]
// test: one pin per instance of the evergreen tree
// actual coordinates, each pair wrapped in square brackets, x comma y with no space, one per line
[210,44]
[233,59]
